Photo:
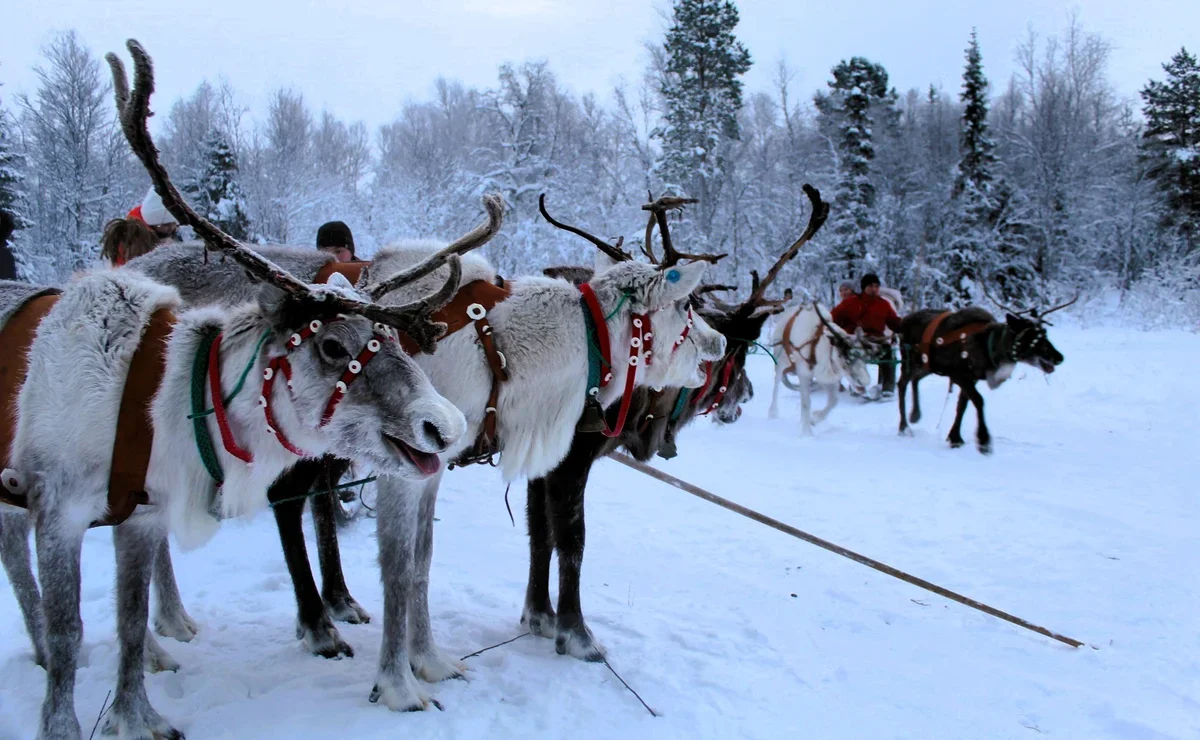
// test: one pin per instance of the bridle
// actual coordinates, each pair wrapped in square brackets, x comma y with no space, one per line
[641,343]
[279,364]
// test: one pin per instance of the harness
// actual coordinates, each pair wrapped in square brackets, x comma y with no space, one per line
[134,436]
[600,361]
[930,340]
[811,345]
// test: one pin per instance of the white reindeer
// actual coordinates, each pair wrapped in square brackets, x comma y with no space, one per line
[387,415]
[815,349]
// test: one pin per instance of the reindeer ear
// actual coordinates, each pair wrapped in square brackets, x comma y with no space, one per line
[678,281]
[603,262]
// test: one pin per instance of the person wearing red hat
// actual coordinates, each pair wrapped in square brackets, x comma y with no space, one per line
[147,225]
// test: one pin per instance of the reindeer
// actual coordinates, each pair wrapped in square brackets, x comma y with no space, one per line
[816,349]
[967,346]
[350,391]
[536,340]
[555,501]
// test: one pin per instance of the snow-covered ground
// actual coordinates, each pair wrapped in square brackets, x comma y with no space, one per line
[1084,520]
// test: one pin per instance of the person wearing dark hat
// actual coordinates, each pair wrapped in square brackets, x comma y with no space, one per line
[871,313]
[335,237]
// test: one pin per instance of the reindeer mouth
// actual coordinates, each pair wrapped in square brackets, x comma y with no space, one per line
[1045,365]
[425,462]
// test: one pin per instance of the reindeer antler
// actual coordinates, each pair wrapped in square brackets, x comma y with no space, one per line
[1060,307]
[482,234]
[820,212]
[134,109]
[703,289]
[1013,311]
[614,251]
[658,215]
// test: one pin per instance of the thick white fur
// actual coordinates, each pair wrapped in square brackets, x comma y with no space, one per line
[77,367]
[831,365]
[540,330]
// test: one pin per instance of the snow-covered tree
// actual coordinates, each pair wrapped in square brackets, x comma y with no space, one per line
[1172,141]
[220,195]
[701,89]
[858,99]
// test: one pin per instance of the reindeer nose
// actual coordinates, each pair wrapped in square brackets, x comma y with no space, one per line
[434,436]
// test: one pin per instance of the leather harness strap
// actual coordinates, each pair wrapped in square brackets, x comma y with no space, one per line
[16,337]
[135,429]
[930,340]
[134,436]
[791,349]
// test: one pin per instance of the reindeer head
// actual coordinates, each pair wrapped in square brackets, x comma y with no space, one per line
[662,291]
[1027,340]
[353,391]
[1030,343]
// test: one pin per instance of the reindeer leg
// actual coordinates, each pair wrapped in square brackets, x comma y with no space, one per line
[805,405]
[916,406]
[955,437]
[565,489]
[780,369]
[170,618]
[428,662]
[132,715]
[902,387]
[334,592]
[983,437]
[313,624]
[396,528]
[14,552]
[538,615]
[831,394]
[59,546]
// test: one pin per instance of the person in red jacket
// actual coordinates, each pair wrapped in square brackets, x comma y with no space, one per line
[871,313]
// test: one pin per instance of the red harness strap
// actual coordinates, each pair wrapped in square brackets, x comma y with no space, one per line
[726,374]
[214,385]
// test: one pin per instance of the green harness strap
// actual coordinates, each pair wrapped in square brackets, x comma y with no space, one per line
[204,442]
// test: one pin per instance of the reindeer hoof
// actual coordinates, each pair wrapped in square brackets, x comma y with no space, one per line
[578,642]
[346,609]
[906,432]
[985,447]
[914,417]
[324,640]
[540,623]
[956,443]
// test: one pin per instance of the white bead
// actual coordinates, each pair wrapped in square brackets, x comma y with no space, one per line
[633,361]
[373,345]
[380,328]
[964,354]
[262,401]
[341,387]
[635,342]
[722,389]
[649,352]
[637,323]
[593,391]
[314,326]
[270,430]
[649,336]
[355,367]
[268,373]
[294,340]
[475,312]
[607,377]
[680,340]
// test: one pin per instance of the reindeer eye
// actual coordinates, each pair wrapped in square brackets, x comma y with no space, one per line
[333,350]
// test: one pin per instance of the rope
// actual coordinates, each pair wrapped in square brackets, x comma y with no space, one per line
[342,487]
[624,297]
[493,647]
[756,344]
[242,380]
[836,549]
[204,441]
[681,403]
[639,696]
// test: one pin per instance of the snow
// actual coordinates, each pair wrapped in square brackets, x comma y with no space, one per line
[1083,521]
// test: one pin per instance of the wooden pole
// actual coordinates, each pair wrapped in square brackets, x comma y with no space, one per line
[838,549]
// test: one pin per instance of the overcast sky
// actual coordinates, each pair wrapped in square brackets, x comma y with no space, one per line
[363,59]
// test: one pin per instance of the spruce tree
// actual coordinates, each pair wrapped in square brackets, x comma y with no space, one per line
[858,99]
[12,198]
[220,195]
[702,90]
[1172,141]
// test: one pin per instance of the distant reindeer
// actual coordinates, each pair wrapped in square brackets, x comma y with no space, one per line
[967,346]
[555,501]
[344,386]
[814,349]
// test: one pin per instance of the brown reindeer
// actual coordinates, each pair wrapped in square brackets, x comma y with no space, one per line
[967,346]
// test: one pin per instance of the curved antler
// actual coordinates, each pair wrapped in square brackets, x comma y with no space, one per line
[482,234]
[613,251]
[133,107]
[820,212]
[1060,307]
[703,289]
[835,333]
[1013,311]
[658,215]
